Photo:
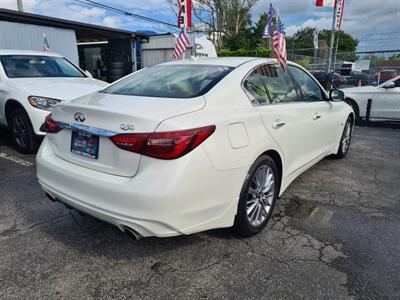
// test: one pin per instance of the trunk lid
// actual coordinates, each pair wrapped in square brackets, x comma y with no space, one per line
[105,115]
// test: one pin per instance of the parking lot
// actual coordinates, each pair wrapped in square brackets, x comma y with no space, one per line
[335,234]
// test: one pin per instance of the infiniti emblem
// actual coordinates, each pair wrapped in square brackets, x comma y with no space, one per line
[79,117]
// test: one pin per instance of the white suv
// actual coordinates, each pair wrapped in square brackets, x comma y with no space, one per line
[31,83]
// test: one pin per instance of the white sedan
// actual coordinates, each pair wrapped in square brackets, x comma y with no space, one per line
[385,100]
[188,146]
[31,83]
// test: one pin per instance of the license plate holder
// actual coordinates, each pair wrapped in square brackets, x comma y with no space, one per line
[85,144]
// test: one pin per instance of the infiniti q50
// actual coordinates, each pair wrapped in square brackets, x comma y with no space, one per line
[192,145]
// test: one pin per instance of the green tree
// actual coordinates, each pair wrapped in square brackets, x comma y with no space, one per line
[247,38]
[302,43]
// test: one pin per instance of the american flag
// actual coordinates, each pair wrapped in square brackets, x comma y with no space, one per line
[46,47]
[280,44]
[182,42]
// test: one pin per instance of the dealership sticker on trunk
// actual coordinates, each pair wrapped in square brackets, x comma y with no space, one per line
[85,144]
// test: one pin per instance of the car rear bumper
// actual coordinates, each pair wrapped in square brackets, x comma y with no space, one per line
[165,198]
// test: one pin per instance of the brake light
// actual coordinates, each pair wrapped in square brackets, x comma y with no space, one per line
[49,125]
[163,145]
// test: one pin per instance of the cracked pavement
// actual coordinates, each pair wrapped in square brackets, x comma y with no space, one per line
[334,234]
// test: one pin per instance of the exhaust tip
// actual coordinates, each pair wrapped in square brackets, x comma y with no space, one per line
[132,233]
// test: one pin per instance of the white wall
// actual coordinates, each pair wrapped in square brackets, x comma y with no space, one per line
[30,37]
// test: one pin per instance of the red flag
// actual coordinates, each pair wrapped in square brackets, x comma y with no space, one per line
[185,13]
[330,3]
[339,13]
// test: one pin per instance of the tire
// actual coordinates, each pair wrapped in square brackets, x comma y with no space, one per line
[119,65]
[345,140]
[355,108]
[111,79]
[117,72]
[22,132]
[255,207]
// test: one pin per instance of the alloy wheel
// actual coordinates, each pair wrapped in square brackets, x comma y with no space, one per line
[260,195]
[20,132]
[346,137]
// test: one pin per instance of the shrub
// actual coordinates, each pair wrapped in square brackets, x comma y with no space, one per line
[304,62]
[258,52]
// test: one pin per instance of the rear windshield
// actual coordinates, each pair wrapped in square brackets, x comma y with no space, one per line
[22,66]
[170,81]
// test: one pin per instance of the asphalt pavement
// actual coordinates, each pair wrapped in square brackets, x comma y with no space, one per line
[335,234]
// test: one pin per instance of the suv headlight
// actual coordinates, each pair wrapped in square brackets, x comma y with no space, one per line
[42,102]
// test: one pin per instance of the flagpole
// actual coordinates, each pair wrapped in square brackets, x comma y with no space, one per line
[20,6]
[332,40]
[336,50]
[315,42]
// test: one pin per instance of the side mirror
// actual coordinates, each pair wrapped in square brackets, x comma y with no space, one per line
[88,74]
[336,95]
[389,85]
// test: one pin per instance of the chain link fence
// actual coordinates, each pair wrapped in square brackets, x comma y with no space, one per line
[369,80]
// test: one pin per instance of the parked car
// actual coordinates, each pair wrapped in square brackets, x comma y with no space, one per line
[323,78]
[359,79]
[386,75]
[191,145]
[385,97]
[338,79]
[31,83]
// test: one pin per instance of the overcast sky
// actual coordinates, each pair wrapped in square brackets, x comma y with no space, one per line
[374,23]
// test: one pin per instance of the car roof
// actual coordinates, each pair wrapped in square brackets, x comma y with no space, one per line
[218,61]
[27,52]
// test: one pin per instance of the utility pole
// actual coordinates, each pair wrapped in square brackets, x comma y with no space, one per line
[19,6]
[332,40]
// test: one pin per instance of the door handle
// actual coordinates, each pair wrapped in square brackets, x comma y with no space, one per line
[316,116]
[278,124]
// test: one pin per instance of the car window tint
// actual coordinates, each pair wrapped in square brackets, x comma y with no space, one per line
[170,81]
[309,87]
[255,87]
[24,66]
[279,86]
[397,83]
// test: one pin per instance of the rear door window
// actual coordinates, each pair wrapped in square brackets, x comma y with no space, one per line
[255,89]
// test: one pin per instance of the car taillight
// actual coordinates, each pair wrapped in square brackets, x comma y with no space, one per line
[163,145]
[49,125]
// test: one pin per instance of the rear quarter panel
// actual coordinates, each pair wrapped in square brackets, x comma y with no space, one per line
[226,106]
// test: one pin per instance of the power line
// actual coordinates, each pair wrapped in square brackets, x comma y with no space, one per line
[383,39]
[378,33]
[124,12]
